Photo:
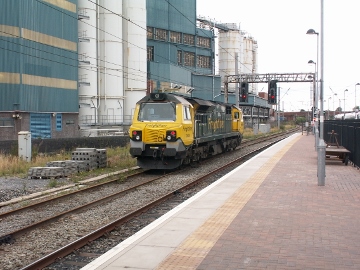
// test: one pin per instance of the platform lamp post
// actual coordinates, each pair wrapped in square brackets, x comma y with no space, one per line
[355,92]
[335,94]
[316,94]
[315,102]
[322,146]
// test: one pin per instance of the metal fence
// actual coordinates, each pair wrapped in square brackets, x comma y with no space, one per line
[348,135]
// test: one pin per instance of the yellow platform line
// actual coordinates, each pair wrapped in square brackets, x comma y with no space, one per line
[194,249]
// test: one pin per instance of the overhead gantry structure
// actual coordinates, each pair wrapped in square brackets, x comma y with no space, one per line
[266,78]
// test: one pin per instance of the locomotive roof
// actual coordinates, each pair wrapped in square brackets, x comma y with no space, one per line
[204,105]
[161,97]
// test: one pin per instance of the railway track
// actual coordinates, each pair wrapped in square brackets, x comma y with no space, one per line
[68,204]
[133,196]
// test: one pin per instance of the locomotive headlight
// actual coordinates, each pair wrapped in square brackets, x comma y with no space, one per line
[136,135]
[171,135]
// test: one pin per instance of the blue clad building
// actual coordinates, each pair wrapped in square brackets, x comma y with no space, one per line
[38,68]
[180,54]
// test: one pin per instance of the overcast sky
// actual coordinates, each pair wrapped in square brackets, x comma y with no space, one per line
[280,27]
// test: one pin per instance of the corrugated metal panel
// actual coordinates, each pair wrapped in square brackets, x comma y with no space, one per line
[157,13]
[169,73]
[206,86]
[204,32]
[49,61]
[42,99]
[10,14]
[49,19]
[180,75]
[40,125]
[159,71]
[182,14]
[38,68]
[9,97]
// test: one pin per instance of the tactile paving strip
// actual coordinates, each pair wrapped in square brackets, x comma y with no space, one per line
[195,248]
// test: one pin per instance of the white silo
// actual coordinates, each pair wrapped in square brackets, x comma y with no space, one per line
[112,61]
[111,67]
[255,64]
[135,58]
[230,44]
[249,59]
[87,55]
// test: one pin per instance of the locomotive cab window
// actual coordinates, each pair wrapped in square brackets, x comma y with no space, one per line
[236,115]
[157,112]
[187,115]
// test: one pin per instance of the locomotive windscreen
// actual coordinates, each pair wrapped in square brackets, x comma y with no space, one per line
[157,112]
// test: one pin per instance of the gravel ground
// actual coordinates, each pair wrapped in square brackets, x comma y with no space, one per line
[13,187]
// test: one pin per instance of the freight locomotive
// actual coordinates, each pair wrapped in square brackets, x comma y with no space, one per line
[170,130]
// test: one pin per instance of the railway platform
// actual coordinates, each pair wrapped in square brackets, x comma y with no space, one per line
[269,213]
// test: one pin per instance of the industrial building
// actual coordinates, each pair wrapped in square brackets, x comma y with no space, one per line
[180,55]
[38,68]
[73,68]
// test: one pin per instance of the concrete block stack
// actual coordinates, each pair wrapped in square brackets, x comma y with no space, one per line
[82,159]
[101,158]
[45,172]
[70,166]
[87,155]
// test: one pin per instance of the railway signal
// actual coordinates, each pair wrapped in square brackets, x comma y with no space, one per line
[272,97]
[244,92]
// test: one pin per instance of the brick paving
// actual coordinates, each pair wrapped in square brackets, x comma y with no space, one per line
[292,223]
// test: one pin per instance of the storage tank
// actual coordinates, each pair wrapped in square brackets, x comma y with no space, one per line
[135,53]
[234,41]
[111,66]
[112,60]
[250,60]
[87,54]
[230,43]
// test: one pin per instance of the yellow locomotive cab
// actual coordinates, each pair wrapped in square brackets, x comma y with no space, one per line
[237,119]
[161,130]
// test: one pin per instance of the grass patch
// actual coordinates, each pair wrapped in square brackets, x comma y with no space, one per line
[14,166]
[249,132]
[117,158]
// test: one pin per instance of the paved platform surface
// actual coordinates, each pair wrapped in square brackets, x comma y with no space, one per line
[269,213]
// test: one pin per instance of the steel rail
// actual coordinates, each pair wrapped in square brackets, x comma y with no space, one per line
[62,252]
